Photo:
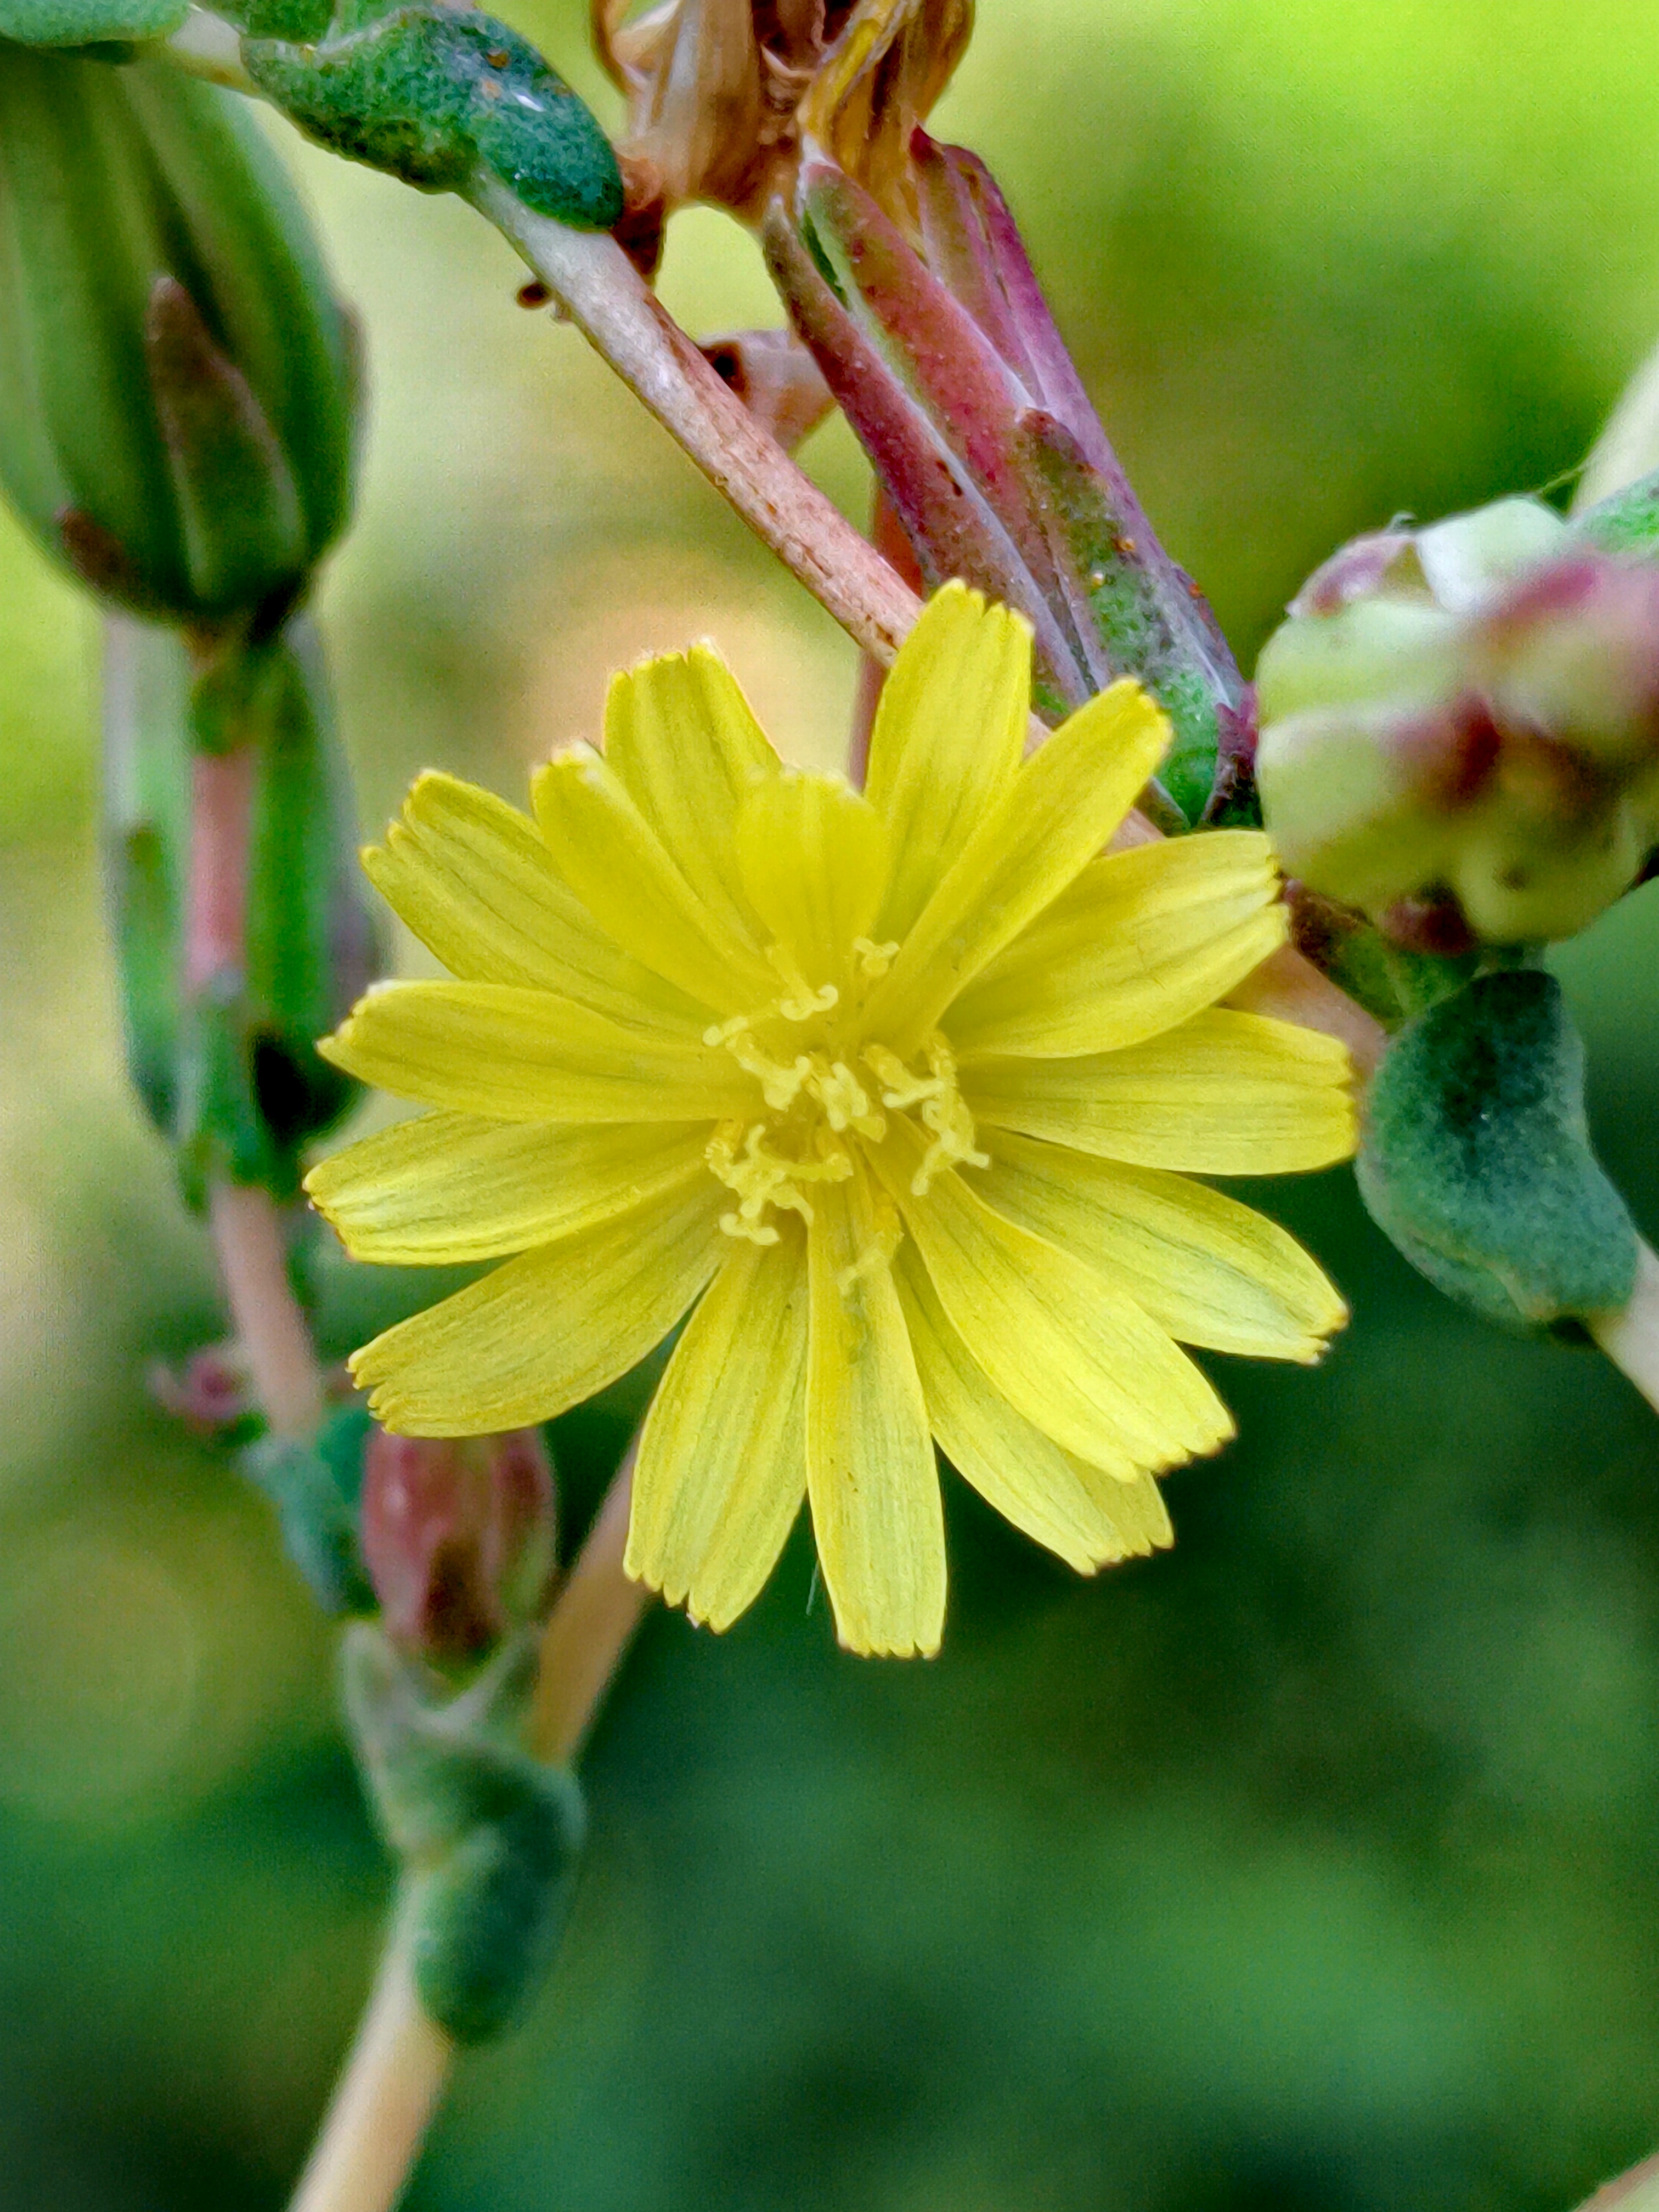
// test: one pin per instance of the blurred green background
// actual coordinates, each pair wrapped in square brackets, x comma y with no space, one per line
[1314,1867]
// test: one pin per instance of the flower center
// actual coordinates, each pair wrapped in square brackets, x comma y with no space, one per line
[826,1092]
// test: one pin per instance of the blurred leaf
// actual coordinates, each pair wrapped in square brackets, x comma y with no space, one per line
[1477,1161]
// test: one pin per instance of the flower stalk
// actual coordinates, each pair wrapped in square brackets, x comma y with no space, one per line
[398,2067]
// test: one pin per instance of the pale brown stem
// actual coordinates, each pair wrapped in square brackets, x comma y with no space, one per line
[247,1227]
[385,2101]
[247,1236]
[1291,989]
[1635,2191]
[610,302]
[589,1628]
[215,919]
[1631,1339]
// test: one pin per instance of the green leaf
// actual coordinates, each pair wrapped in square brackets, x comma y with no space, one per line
[1477,1161]
[313,1488]
[88,23]
[1627,521]
[431,94]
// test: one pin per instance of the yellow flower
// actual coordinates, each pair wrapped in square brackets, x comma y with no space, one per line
[894,1089]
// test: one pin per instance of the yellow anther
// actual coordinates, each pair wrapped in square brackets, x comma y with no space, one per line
[780,1084]
[845,1101]
[802,1002]
[900,1088]
[755,1233]
[953,1143]
[763,1179]
[874,960]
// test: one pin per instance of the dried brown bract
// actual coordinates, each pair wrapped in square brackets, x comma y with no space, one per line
[724,94]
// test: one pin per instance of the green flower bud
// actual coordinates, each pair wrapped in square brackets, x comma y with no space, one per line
[89,22]
[1463,722]
[177,390]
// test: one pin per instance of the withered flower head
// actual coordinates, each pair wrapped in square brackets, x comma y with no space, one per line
[723,94]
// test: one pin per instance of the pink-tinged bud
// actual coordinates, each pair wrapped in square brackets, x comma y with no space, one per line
[1461,728]
[210,1393]
[458,1536]
[1354,571]
[1573,649]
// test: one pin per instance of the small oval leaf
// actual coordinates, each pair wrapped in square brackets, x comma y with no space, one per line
[1477,1161]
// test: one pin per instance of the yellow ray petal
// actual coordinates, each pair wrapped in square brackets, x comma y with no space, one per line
[684,741]
[1224,1094]
[477,886]
[1061,806]
[1059,1501]
[722,1464]
[546,1330]
[815,859]
[1140,942]
[948,731]
[1210,1270]
[614,860]
[1066,1348]
[449,1187]
[518,1055]
[870,1470]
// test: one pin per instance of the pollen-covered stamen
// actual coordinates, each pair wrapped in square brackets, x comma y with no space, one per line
[944,1115]
[803,1002]
[846,1104]
[874,960]
[763,1179]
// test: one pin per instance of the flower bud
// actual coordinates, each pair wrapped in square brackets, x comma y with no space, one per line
[1461,723]
[458,1537]
[176,387]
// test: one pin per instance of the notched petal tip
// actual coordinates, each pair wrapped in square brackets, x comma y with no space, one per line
[916,1647]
